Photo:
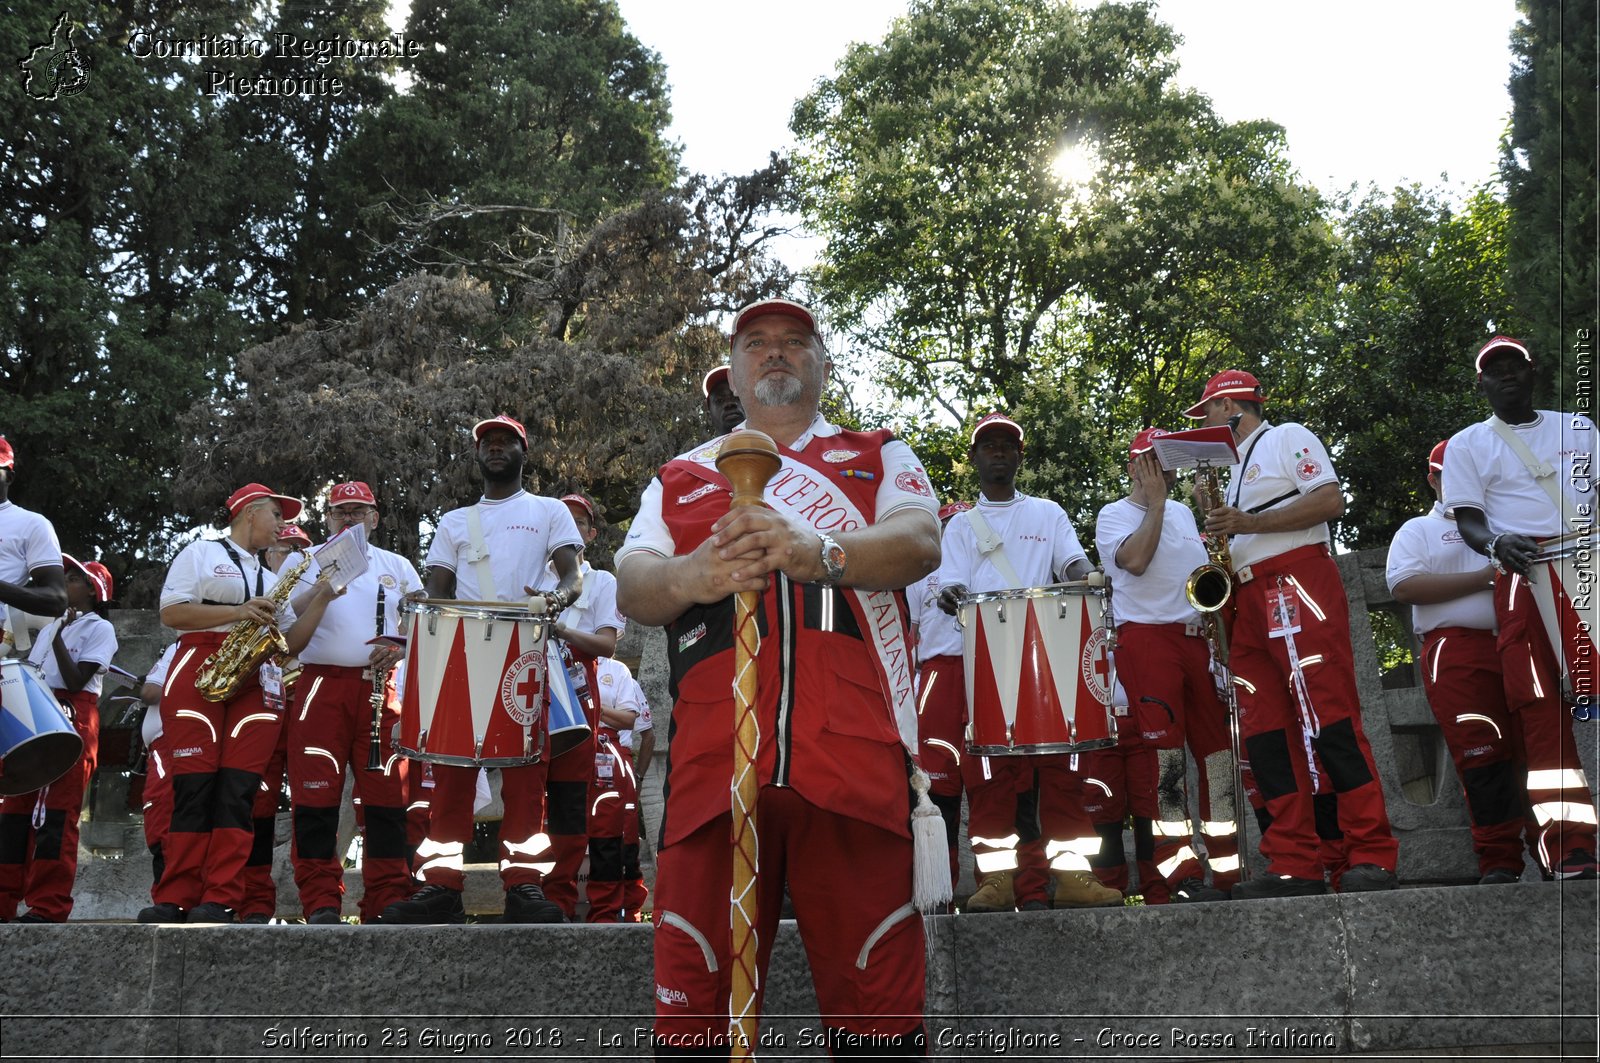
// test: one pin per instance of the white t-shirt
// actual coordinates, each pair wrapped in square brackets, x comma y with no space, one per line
[1432,545]
[1482,471]
[520,534]
[619,690]
[27,542]
[1156,596]
[1035,534]
[351,619]
[649,530]
[1283,459]
[937,632]
[151,730]
[204,572]
[88,638]
[597,607]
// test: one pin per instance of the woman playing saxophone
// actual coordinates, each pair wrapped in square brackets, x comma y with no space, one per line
[218,587]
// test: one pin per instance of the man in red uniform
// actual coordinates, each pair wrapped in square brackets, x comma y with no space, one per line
[852,520]
[1300,714]
[1523,475]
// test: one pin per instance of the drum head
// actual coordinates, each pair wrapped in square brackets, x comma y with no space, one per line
[39,761]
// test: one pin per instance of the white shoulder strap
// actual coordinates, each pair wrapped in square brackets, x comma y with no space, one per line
[478,556]
[1542,474]
[990,546]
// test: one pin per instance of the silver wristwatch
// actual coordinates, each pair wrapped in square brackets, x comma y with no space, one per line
[833,560]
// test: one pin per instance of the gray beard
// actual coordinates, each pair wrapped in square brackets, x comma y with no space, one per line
[779,390]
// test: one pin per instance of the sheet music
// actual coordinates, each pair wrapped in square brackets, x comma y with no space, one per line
[1185,450]
[344,557]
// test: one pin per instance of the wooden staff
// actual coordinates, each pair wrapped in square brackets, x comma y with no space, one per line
[748,459]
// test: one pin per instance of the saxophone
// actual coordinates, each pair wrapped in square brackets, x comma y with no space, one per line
[1209,587]
[248,645]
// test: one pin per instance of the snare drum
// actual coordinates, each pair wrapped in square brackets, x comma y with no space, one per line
[475,689]
[1038,676]
[1562,581]
[38,743]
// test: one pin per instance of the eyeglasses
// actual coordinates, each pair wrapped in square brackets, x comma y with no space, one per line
[354,510]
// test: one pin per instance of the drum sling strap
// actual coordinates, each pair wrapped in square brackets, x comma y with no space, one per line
[479,556]
[990,546]
[1543,475]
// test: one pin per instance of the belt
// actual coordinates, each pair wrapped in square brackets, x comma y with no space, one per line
[1278,562]
[1195,629]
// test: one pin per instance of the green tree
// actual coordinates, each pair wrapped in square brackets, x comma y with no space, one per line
[1549,164]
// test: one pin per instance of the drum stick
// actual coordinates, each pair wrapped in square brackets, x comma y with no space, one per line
[748,459]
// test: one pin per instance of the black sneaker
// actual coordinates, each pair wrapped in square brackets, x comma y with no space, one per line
[163,913]
[1580,863]
[1367,878]
[31,918]
[324,917]
[211,912]
[1501,876]
[430,904]
[527,904]
[1270,885]
[1193,891]
[256,919]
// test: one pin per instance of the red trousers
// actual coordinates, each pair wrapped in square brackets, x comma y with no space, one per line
[1287,741]
[260,891]
[524,847]
[1557,787]
[941,721]
[613,827]
[157,807]
[219,753]
[39,829]
[1051,791]
[567,794]
[330,732]
[867,959]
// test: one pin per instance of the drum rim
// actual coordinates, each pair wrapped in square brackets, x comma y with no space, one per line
[1073,589]
[469,608]
[1038,748]
[455,761]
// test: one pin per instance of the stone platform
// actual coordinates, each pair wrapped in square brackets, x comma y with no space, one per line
[1462,972]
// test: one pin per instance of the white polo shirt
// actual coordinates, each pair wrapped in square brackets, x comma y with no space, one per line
[1035,534]
[1482,471]
[938,635]
[619,690]
[1156,596]
[27,542]
[151,729]
[204,572]
[88,638]
[1277,461]
[1432,545]
[351,619]
[520,534]
[597,606]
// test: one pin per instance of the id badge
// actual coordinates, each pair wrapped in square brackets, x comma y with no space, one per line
[272,686]
[604,766]
[1283,611]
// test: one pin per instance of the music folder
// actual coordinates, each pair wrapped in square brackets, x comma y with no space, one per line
[1196,446]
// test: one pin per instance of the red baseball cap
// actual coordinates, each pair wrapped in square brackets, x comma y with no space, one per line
[721,372]
[8,457]
[763,307]
[580,500]
[98,575]
[1436,456]
[1231,384]
[352,492]
[250,492]
[950,509]
[996,421]
[1497,344]
[293,533]
[501,421]
[1144,440]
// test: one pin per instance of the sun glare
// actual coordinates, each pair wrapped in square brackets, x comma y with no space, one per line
[1075,165]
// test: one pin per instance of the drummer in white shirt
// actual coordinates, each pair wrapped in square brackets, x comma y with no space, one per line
[1450,588]
[32,581]
[331,729]
[1038,540]
[1503,509]
[1150,544]
[502,560]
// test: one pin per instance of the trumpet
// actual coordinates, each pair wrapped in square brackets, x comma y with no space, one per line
[1209,587]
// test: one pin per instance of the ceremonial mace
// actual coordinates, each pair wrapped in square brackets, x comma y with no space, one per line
[748,459]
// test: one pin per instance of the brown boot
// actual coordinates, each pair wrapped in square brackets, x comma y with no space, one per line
[1080,889]
[995,895]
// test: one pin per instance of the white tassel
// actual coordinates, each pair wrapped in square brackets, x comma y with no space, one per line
[930,881]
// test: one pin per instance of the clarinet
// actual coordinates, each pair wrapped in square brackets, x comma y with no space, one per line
[379,680]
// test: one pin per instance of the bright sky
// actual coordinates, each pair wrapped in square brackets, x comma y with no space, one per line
[1383,91]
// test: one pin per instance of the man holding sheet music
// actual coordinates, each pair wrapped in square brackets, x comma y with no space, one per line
[495,550]
[1293,667]
[330,723]
[1521,476]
